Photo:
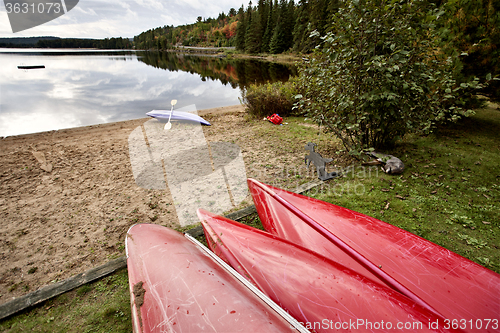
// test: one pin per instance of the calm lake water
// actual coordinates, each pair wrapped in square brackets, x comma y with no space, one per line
[91,87]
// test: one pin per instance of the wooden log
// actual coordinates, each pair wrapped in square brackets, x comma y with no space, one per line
[45,293]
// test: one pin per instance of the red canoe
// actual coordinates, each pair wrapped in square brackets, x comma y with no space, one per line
[322,294]
[462,291]
[176,287]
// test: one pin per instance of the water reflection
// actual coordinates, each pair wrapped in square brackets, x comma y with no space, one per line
[236,72]
[91,87]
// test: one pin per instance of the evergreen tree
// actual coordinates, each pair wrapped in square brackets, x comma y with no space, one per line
[264,7]
[300,32]
[282,38]
[472,29]
[290,24]
[332,9]
[250,24]
[241,30]
[271,23]
[254,34]
[256,29]
[318,20]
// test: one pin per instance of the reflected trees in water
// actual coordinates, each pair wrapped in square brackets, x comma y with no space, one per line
[239,73]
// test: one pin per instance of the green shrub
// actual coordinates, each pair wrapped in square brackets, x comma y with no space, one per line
[266,99]
[379,74]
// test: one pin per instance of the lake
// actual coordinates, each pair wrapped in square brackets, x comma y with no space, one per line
[81,88]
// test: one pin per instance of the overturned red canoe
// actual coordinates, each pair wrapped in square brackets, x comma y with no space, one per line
[176,287]
[459,289]
[322,294]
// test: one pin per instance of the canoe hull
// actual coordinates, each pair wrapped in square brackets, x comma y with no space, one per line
[453,285]
[175,287]
[31,67]
[318,292]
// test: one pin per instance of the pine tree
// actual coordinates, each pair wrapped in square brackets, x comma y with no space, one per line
[333,8]
[254,34]
[282,38]
[249,18]
[300,32]
[264,7]
[473,29]
[319,18]
[241,30]
[271,23]
[289,25]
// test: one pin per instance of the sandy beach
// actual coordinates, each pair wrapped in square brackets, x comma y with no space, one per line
[70,212]
[68,197]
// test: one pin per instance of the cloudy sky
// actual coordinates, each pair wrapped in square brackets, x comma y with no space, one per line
[121,18]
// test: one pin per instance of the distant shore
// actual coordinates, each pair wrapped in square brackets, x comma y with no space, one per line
[285,58]
[222,52]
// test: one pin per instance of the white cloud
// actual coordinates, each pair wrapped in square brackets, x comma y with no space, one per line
[61,91]
[89,11]
[17,123]
[153,4]
[156,91]
[114,18]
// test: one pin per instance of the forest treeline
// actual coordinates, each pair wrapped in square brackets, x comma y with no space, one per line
[106,43]
[469,28]
[68,43]
[271,26]
[211,32]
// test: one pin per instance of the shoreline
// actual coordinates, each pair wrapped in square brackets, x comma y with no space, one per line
[281,58]
[284,58]
[120,124]
[230,52]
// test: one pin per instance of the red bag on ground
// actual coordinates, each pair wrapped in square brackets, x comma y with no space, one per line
[275,119]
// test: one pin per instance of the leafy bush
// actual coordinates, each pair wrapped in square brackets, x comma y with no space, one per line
[379,75]
[266,99]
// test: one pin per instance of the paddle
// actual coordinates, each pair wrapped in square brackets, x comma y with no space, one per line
[168,125]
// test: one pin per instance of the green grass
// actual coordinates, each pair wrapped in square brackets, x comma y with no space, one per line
[102,306]
[251,220]
[449,192]
[288,142]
